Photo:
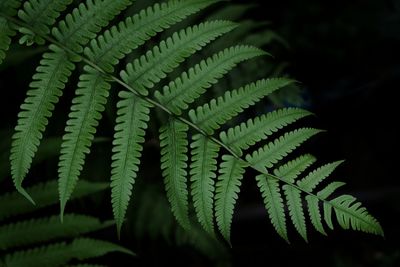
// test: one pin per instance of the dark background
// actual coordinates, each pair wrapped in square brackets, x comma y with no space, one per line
[346,55]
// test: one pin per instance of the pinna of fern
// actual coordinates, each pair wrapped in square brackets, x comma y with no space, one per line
[219,157]
[45,241]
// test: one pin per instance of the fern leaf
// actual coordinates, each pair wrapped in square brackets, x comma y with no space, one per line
[248,133]
[267,156]
[315,213]
[295,205]
[314,178]
[40,14]
[120,40]
[61,253]
[46,229]
[185,89]
[150,68]
[212,115]
[327,207]
[173,141]
[51,77]
[350,214]
[86,265]
[49,80]
[329,189]
[5,37]
[83,119]
[7,7]
[228,186]
[273,203]
[82,24]
[91,248]
[133,116]
[328,215]
[324,194]
[291,170]
[202,172]
[45,194]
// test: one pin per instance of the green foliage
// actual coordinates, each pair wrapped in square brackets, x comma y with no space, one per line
[153,221]
[51,76]
[355,216]
[242,136]
[186,89]
[228,186]
[128,140]
[147,71]
[215,177]
[202,171]
[45,229]
[45,195]
[218,111]
[7,8]
[60,253]
[40,15]
[173,142]
[36,241]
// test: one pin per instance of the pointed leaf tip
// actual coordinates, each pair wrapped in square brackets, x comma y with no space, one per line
[25,194]
[62,209]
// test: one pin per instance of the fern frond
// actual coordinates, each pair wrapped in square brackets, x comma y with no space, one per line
[314,178]
[295,205]
[291,170]
[120,40]
[5,37]
[7,7]
[202,171]
[191,84]
[61,253]
[273,203]
[49,80]
[173,142]
[80,132]
[212,115]
[150,68]
[40,15]
[86,265]
[83,119]
[350,214]
[82,24]
[45,194]
[45,229]
[67,45]
[51,77]
[274,151]
[133,116]
[228,186]
[248,133]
